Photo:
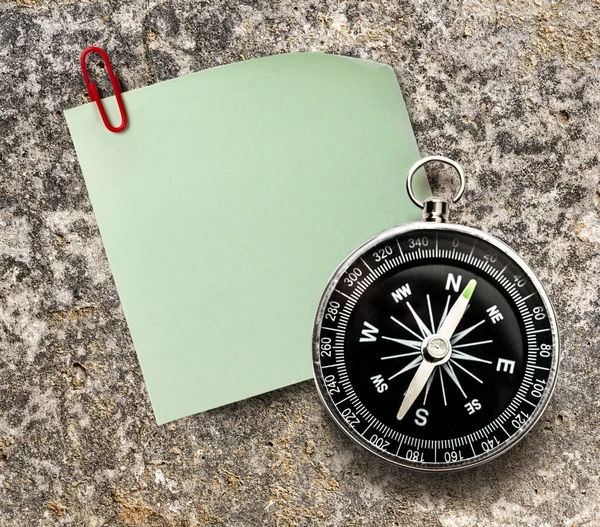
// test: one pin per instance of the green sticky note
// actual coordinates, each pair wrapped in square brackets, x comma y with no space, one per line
[228,202]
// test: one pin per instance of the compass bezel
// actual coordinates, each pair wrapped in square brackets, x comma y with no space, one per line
[439,466]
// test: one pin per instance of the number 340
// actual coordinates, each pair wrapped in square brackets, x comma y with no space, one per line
[418,242]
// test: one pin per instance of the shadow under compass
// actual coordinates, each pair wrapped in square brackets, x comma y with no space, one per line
[486,483]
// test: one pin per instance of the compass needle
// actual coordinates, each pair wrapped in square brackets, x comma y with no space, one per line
[456,313]
[416,385]
[434,346]
[436,350]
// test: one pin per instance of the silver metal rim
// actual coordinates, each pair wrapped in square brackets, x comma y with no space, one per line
[422,162]
[440,467]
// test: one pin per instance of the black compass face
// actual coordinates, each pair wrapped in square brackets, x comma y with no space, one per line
[434,347]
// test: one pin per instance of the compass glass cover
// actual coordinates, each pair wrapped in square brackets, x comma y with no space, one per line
[388,299]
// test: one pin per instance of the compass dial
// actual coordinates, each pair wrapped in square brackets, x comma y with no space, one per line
[435,347]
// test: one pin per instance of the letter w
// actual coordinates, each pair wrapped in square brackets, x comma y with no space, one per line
[368,333]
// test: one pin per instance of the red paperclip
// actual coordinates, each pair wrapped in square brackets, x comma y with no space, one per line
[93,90]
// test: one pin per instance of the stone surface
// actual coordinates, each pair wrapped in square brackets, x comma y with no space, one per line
[510,88]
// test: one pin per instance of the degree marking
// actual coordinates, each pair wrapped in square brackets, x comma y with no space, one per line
[399,446]
[343,294]
[366,264]
[343,400]
[399,247]
[528,296]
[366,429]
[470,443]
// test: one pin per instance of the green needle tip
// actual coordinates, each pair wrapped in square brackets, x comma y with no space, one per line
[468,292]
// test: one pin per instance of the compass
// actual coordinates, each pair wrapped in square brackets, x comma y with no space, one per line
[435,346]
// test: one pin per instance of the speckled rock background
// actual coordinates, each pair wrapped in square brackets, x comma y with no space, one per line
[510,88]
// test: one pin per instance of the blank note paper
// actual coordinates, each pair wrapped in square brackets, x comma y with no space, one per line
[227,203]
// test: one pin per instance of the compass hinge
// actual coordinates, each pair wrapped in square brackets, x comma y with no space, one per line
[436,210]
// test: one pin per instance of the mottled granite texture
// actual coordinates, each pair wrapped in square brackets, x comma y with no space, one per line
[510,88]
